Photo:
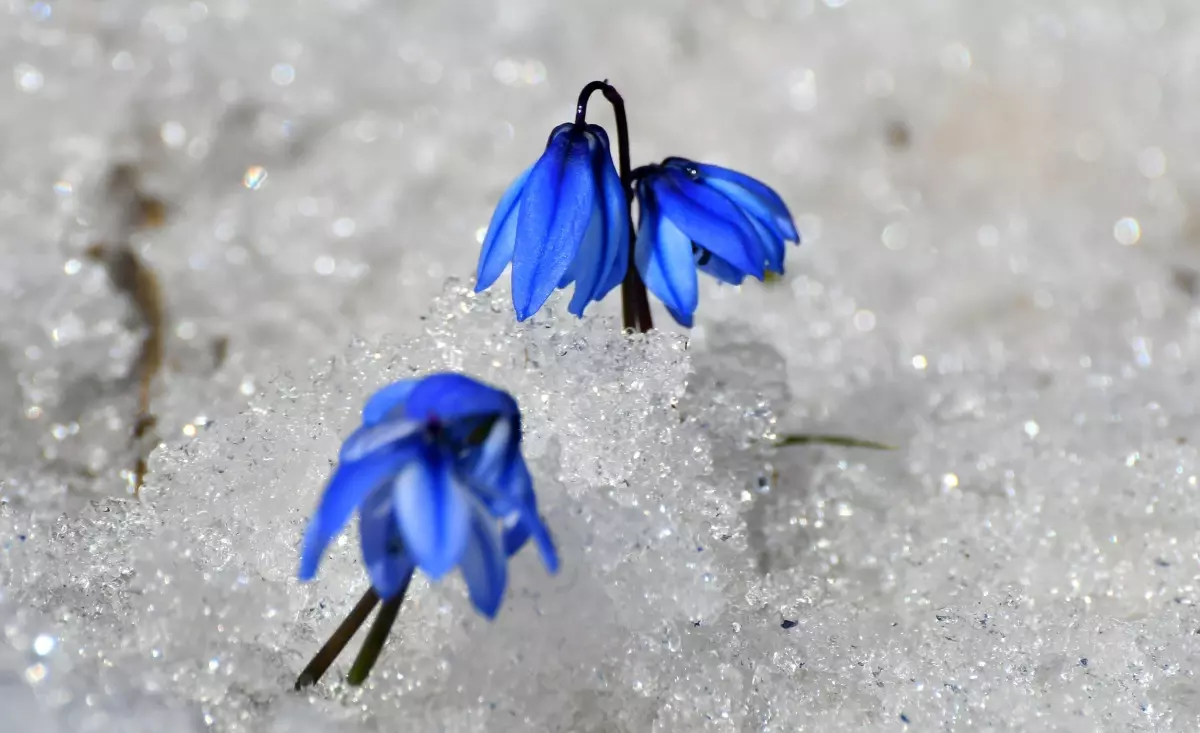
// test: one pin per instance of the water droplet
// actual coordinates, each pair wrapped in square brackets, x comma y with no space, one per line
[44,644]
[28,78]
[35,673]
[1152,163]
[283,74]
[1127,231]
[894,236]
[254,177]
[173,134]
[804,90]
[864,320]
[955,58]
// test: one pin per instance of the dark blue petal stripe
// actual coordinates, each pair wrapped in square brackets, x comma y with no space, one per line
[772,244]
[710,220]
[754,207]
[758,189]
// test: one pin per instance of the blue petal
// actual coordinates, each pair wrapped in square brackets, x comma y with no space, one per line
[777,248]
[762,194]
[435,519]
[772,234]
[524,522]
[683,319]
[722,270]
[516,533]
[664,257]
[388,565]
[587,267]
[347,488]
[484,564]
[383,436]
[499,448]
[501,235]
[386,399]
[753,207]
[556,207]
[772,245]
[521,527]
[449,397]
[616,213]
[604,254]
[709,219]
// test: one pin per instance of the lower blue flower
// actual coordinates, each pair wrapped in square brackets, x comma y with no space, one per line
[436,474]
[695,216]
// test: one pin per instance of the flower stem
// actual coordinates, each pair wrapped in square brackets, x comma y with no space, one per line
[332,648]
[377,637]
[844,441]
[635,303]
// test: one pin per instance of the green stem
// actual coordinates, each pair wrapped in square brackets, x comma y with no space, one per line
[635,303]
[332,648]
[377,637]
[844,441]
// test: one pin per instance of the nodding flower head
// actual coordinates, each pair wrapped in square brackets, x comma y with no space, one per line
[437,476]
[563,221]
[699,216]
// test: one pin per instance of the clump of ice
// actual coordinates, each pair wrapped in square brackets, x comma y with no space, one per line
[624,483]
[709,582]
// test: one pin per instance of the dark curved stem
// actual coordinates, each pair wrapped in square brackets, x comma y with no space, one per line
[377,637]
[635,303]
[332,648]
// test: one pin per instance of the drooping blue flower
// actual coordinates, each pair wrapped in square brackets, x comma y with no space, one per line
[437,476]
[699,216]
[563,221]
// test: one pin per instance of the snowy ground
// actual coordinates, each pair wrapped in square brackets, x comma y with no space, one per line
[242,216]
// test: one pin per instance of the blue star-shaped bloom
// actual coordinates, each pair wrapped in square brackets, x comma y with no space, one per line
[563,220]
[698,216]
[437,476]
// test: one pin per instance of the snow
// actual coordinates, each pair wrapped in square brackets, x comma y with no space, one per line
[242,218]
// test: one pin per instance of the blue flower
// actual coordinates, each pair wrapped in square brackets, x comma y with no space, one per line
[437,476]
[563,220]
[698,216]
